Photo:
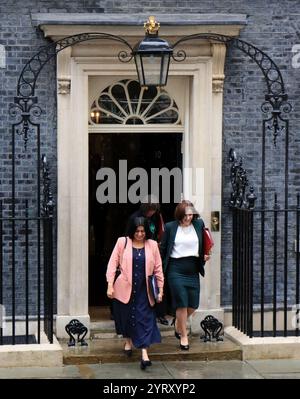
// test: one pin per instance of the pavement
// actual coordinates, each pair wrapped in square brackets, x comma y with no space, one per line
[163,370]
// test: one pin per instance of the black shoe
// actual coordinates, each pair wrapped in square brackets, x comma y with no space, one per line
[184,347]
[163,321]
[145,364]
[128,352]
[177,335]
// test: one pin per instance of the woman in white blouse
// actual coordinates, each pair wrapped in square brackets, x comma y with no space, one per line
[183,259]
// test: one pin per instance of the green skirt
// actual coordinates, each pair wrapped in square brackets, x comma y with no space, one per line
[183,281]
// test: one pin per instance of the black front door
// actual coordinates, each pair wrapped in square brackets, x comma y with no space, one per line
[108,221]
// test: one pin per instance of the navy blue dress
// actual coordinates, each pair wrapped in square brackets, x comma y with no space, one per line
[137,319]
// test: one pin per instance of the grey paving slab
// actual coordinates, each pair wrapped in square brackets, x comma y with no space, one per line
[64,372]
[129,371]
[275,366]
[233,369]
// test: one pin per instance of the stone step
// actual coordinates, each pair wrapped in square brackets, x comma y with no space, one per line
[110,350]
[106,330]
[107,334]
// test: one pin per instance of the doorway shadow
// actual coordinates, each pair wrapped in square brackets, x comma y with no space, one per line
[107,221]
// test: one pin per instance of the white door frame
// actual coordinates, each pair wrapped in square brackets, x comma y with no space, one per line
[202,149]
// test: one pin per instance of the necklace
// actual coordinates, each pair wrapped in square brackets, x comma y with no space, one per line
[139,251]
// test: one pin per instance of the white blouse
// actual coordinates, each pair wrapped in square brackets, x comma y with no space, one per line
[186,242]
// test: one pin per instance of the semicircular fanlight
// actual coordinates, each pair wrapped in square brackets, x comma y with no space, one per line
[127,103]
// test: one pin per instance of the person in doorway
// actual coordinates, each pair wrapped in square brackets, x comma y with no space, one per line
[183,259]
[150,209]
[133,305]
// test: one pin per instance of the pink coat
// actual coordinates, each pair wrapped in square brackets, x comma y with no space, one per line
[123,284]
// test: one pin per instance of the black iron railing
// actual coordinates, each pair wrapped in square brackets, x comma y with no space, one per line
[26,267]
[21,272]
[265,278]
[48,277]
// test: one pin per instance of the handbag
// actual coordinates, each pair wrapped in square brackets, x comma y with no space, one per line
[153,287]
[208,241]
[118,269]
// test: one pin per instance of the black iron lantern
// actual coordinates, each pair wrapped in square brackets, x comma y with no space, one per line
[152,56]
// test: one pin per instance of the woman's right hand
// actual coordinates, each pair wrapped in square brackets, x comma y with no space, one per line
[159,297]
[110,291]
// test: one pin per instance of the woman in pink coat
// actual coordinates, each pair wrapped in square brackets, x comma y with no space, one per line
[135,319]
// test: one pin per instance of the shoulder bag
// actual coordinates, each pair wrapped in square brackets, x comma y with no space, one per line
[118,270]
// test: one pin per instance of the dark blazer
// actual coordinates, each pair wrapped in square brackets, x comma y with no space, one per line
[168,239]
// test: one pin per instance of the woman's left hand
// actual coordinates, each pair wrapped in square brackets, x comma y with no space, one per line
[206,257]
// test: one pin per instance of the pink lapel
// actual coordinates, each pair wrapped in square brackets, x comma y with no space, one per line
[128,260]
[148,257]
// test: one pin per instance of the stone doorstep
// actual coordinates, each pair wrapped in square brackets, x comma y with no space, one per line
[110,351]
[266,347]
[106,330]
[163,357]
[110,333]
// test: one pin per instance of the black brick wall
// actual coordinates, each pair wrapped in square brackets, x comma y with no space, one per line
[272,26]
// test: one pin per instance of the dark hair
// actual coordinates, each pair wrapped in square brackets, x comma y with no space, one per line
[180,210]
[149,204]
[134,223]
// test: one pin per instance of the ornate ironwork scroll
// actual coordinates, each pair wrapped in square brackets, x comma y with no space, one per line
[47,203]
[25,103]
[32,69]
[239,182]
[275,104]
